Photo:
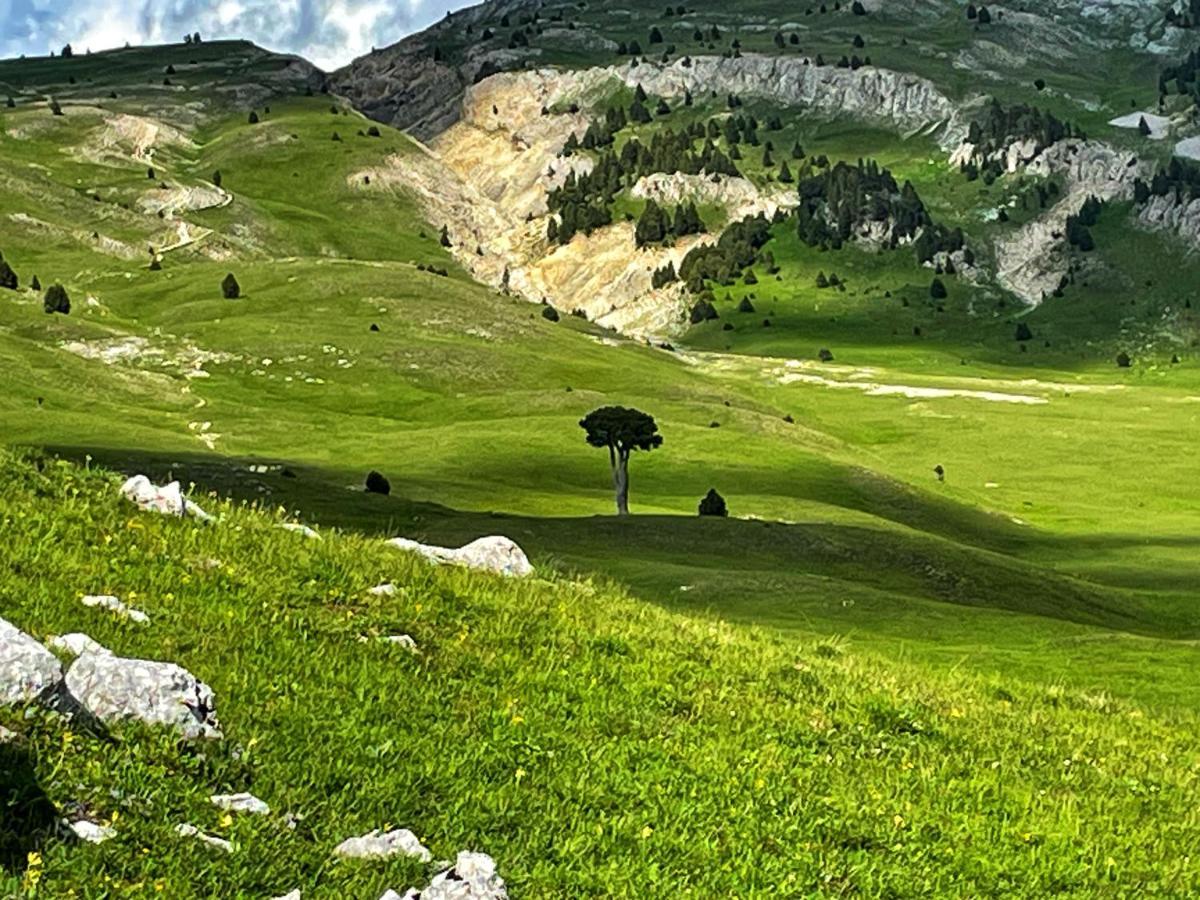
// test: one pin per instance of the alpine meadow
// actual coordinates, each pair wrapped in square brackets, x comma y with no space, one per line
[597,449]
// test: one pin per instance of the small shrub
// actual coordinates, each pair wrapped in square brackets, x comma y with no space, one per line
[56,300]
[1024,332]
[549,313]
[35,285]
[8,278]
[937,289]
[713,504]
[216,178]
[1123,360]
[253,118]
[377,484]
[230,287]
[825,355]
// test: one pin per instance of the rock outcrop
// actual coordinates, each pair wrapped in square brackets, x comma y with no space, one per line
[28,671]
[473,877]
[1033,261]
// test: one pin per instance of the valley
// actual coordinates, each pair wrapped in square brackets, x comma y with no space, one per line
[938,355]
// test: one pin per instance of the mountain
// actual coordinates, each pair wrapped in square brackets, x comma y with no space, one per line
[920,323]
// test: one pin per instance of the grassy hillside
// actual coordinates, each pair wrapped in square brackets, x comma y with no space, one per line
[591,743]
[866,681]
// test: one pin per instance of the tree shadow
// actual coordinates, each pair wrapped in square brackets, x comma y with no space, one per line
[27,817]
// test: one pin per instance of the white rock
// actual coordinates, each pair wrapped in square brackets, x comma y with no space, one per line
[291,895]
[472,878]
[92,832]
[297,528]
[184,830]
[115,689]
[494,554]
[28,671]
[76,643]
[402,640]
[168,499]
[383,590]
[378,845]
[243,803]
[112,604]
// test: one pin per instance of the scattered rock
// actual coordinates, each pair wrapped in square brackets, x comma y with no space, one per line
[28,671]
[191,831]
[380,845]
[495,554]
[473,877]
[383,590]
[241,803]
[91,832]
[115,689]
[111,603]
[76,644]
[168,500]
[291,895]
[300,529]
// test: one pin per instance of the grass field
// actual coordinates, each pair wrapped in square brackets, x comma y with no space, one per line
[865,682]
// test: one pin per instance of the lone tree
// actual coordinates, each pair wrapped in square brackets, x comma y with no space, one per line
[56,300]
[622,431]
[377,484]
[230,287]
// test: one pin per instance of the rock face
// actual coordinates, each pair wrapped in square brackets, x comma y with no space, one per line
[1182,217]
[907,103]
[28,671]
[404,86]
[379,845]
[114,689]
[1033,261]
[495,554]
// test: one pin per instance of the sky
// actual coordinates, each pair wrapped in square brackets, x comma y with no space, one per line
[328,33]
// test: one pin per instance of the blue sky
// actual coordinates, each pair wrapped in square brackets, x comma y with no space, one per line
[327,32]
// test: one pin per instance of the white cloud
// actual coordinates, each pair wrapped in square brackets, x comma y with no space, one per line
[329,33]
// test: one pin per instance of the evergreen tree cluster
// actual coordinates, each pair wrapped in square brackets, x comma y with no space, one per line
[1189,17]
[723,262]
[656,225]
[1179,177]
[664,276]
[1186,75]
[1000,126]
[1079,226]
[834,203]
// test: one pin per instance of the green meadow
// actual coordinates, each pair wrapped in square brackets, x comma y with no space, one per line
[865,682]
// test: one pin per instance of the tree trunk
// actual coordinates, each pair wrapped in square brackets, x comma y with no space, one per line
[621,482]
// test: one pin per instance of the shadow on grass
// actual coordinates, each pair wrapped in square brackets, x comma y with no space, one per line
[851,558]
[27,817]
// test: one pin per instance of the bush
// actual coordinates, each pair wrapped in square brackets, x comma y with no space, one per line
[35,285]
[550,314]
[56,300]
[1024,332]
[8,278]
[825,355]
[230,287]
[713,504]
[377,484]
[216,178]
[745,306]
[937,290]
[703,311]
[1123,360]
[253,118]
